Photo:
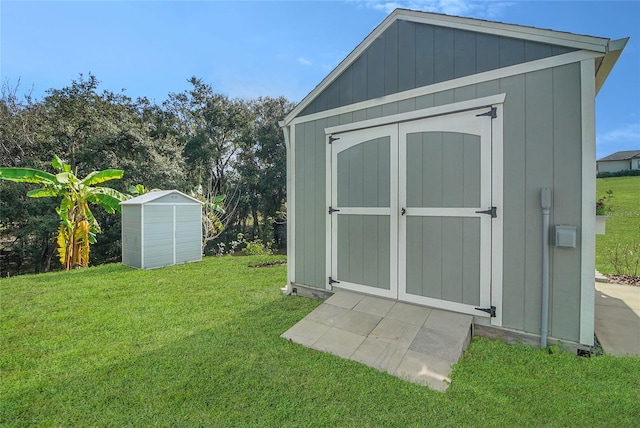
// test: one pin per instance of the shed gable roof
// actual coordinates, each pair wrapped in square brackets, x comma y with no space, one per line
[624,155]
[155,196]
[382,64]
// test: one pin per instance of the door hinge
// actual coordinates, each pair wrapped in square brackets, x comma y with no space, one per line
[332,210]
[491,311]
[333,281]
[493,113]
[332,139]
[493,212]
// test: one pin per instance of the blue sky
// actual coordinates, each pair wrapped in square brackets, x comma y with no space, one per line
[270,48]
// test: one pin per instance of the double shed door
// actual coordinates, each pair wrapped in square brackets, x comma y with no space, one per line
[405,220]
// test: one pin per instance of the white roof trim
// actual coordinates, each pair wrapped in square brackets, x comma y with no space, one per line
[152,196]
[596,44]
[577,41]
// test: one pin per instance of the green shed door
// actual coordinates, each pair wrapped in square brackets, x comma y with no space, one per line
[364,211]
[444,237]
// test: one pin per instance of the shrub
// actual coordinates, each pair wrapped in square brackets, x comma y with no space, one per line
[623,173]
[625,258]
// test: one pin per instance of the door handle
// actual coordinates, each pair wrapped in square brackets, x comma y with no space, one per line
[403,211]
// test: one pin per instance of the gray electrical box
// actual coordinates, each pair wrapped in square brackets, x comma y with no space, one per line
[565,236]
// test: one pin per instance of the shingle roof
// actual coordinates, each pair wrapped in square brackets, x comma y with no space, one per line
[624,155]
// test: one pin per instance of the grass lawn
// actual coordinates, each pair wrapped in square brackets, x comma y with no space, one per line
[623,226]
[199,345]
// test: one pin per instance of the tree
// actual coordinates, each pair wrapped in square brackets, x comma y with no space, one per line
[263,169]
[78,226]
[27,238]
[92,130]
[98,130]
[215,217]
[212,127]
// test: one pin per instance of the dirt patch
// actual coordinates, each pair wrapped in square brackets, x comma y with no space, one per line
[268,264]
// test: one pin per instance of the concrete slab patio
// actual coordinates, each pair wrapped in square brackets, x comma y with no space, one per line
[617,318]
[414,343]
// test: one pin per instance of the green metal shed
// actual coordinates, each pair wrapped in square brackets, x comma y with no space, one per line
[426,165]
[161,228]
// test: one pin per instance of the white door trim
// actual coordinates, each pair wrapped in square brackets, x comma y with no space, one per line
[462,122]
[441,110]
[391,131]
[497,225]
[495,180]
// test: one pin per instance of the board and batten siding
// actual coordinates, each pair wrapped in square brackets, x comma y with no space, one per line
[158,236]
[131,236]
[542,146]
[188,232]
[410,55]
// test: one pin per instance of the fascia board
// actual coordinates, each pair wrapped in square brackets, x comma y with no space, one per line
[152,196]
[578,41]
[614,50]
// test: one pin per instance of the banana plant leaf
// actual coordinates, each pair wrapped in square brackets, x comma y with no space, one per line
[27,175]
[58,164]
[109,199]
[45,192]
[65,177]
[97,177]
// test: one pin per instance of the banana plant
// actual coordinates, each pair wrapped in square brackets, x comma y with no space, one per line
[78,226]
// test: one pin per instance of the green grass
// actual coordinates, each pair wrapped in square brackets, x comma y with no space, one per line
[199,345]
[623,226]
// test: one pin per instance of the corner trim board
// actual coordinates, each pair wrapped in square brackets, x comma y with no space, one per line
[587,231]
[289,139]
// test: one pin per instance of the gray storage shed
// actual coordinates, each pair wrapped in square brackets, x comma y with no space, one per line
[417,169]
[160,229]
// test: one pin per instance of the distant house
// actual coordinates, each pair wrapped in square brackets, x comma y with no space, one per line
[619,161]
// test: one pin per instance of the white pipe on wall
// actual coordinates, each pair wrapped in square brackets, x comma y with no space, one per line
[545,202]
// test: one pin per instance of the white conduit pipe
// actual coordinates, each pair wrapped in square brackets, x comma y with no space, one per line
[545,201]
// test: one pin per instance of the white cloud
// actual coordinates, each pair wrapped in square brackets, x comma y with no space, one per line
[304,61]
[629,133]
[466,8]
[624,137]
